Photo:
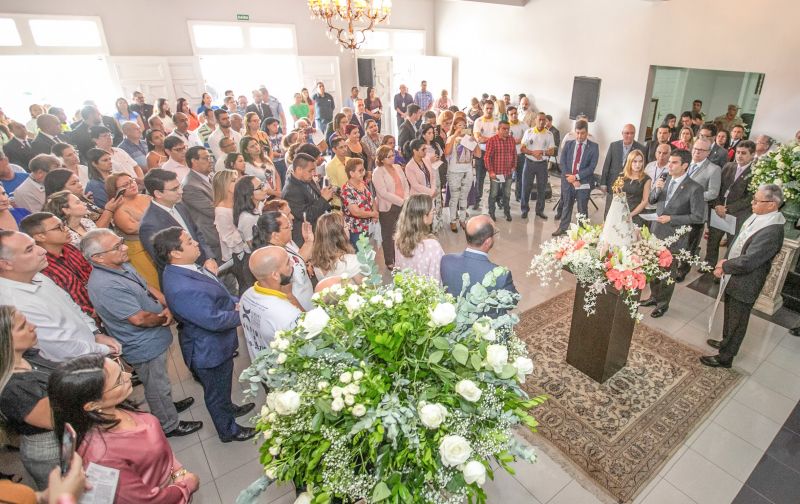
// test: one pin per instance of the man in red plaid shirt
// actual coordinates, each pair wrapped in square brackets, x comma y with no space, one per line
[501,161]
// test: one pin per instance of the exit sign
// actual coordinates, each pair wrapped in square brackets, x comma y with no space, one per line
[242,17]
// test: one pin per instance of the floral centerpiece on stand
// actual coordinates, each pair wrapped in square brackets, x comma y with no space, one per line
[394,393]
[782,167]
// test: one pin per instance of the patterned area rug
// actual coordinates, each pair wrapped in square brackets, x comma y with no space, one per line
[622,432]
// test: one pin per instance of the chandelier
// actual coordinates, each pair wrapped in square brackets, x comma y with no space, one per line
[357,17]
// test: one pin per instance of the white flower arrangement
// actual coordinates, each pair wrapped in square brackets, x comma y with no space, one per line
[781,167]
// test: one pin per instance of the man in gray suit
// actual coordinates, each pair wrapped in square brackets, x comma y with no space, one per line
[198,197]
[679,202]
[615,160]
[708,175]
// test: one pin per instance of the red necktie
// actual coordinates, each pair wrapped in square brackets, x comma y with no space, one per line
[577,159]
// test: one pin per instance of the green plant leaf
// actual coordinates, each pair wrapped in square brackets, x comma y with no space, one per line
[441,343]
[435,357]
[508,371]
[476,361]
[381,492]
[460,354]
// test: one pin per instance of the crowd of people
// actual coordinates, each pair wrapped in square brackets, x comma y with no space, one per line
[116,229]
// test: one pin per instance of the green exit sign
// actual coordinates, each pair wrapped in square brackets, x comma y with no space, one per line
[242,17]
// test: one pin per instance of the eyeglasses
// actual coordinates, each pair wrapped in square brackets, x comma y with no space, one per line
[121,378]
[115,248]
[761,201]
[60,227]
[173,189]
[700,150]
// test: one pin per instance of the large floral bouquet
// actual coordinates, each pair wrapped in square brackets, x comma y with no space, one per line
[597,266]
[394,393]
[782,167]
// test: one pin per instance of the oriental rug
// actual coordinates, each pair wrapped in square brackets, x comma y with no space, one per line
[622,432]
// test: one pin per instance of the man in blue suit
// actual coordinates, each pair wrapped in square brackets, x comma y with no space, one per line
[165,211]
[208,319]
[578,162]
[480,232]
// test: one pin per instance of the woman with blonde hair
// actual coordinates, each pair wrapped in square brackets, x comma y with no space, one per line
[163,112]
[73,213]
[260,165]
[416,248]
[636,185]
[459,172]
[443,103]
[231,242]
[332,254]
[685,139]
[392,190]
[252,128]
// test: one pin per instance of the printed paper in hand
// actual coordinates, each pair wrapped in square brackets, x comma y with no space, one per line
[104,482]
[469,142]
[727,224]
[649,216]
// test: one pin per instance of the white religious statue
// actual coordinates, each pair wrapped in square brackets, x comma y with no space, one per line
[618,229]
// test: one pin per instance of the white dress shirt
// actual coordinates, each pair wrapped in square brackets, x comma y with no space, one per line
[174,213]
[180,170]
[191,138]
[122,162]
[216,136]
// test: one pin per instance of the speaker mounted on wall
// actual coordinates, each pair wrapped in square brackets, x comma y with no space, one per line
[366,72]
[585,97]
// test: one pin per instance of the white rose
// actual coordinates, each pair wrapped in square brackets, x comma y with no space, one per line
[269,472]
[354,303]
[349,400]
[337,392]
[287,403]
[281,358]
[357,375]
[524,367]
[482,326]
[443,314]
[268,434]
[271,401]
[432,415]
[796,148]
[468,390]
[283,344]
[273,344]
[474,472]
[274,450]
[277,441]
[778,182]
[454,450]
[496,357]
[337,404]
[272,417]
[264,410]
[314,322]
[304,498]
[398,297]
[346,377]
[322,385]
[376,299]
[352,389]
[781,165]
[359,410]
[388,303]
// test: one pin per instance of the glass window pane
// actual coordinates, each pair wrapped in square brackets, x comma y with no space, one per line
[218,37]
[271,37]
[65,33]
[9,36]
[409,40]
[376,40]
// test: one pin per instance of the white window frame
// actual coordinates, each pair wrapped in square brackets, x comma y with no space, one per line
[246,48]
[393,49]
[29,47]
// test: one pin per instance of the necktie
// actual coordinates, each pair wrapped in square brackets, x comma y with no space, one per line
[577,160]
[671,189]
[692,169]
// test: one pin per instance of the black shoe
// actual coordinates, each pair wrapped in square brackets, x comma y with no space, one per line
[680,278]
[713,343]
[185,428]
[541,215]
[795,331]
[491,214]
[184,404]
[243,409]
[244,434]
[558,232]
[557,216]
[525,214]
[508,217]
[659,312]
[648,302]
[713,361]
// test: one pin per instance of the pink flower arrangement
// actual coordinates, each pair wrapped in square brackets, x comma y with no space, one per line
[665,258]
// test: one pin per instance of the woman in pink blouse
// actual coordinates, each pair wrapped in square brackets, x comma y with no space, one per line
[416,248]
[392,191]
[90,393]
[423,178]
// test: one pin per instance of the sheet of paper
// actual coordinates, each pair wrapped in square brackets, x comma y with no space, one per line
[648,216]
[728,224]
[469,142]
[317,136]
[500,178]
[104,482]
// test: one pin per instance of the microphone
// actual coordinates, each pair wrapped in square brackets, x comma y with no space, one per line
[657,191]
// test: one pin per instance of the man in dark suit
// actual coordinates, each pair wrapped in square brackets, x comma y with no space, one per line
[207,321]
[719,152]
[259,106]
[408,130]
[734,196]
[49,134]
[166,211]
[145,110]
[679,202]
[745,271]
[480,233]
[18,148]
[359,117]
[578,162]
[737,135]
[615,160]
[198,196]
[662,137]
[306,200]
[80,137]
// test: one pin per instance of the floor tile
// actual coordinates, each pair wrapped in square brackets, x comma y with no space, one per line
[778,379]
[672,460]
[574,494]
[504,488]
[765,400]
[786,450]
[194,460]
[785,359]
[748,424]
[234,482]
[749,496]
[775,481]
[640,498]
[666,493]
[225,457]
[793,422]
[702,481]
[207,494]
[543,479]
[728,451]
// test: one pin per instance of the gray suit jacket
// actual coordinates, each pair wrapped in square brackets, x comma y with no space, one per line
[198,198]
[709,176]
[615,161]
[684,208]
[718,155]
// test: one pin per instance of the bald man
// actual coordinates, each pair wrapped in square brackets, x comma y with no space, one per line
[49,134]
[481,233]
[268,306]
[615,160]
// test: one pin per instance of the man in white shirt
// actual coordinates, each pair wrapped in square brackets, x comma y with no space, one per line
[517,129]
[63,330]
[484,128]
[658,168]
[537,145]
[181,131]
[226,146]
[224,130]
[268,306]
[30,193]
[176,150]
[526,113]
[121,161]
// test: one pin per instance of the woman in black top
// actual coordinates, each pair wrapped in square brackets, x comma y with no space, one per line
[23,401]
[636,185]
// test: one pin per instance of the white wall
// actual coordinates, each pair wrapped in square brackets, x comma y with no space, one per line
[159,27]
[539,48]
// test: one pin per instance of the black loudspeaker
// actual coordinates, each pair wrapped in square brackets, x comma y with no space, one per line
[585,95]
[366,72]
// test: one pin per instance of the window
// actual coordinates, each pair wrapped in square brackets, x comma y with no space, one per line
[394,42]
[271,37]
[217,36]
[376,41]
[65,33]
[9,36]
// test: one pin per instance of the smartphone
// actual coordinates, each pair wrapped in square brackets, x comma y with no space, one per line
[67,448]
[120,193]
[326,182]
[305,219]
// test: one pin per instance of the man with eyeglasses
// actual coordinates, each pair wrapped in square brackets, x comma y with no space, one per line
[198,196]
[121,161]
[63,330]
[137,315]
[176,150]
[181,130]
[708,175]
[226,146]
[224,130]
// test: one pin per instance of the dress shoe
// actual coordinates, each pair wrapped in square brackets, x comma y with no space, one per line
[713,361]
[557,216]
[244,434]
[541,215]
[508,217]
[659,312]
[243,409]
[525,214]
[680,278]
[714,343]
[558,232]
[184,404]
[795,331]
[648,302]
[491,214]
[454,227]
[185,428]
